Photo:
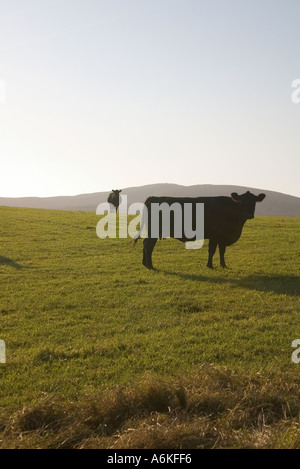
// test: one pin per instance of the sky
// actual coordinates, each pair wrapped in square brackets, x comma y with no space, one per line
[105,94]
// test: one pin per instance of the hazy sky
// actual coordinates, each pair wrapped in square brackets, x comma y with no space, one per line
[104,94]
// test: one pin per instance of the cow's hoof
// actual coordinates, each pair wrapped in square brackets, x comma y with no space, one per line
[209,266]
[149,267]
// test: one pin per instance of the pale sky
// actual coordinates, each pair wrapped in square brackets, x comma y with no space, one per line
[104,94]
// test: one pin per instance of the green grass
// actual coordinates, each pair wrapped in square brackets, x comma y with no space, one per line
[80,315]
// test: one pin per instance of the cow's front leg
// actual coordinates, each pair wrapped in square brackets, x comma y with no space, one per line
[211,251]
[222,249]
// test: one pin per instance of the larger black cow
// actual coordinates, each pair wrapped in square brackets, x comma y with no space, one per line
[224,218]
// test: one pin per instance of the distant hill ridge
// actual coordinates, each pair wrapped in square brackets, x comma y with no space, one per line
[275,204]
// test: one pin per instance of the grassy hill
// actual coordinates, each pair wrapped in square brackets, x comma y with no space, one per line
[103,353]
[275,204]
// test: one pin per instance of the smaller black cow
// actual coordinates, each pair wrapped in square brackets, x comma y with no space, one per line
[224,218]
[114,198]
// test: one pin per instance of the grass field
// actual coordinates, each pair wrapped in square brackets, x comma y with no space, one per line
[104,353]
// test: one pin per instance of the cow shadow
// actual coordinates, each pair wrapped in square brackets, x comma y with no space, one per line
[194,277]
[279,284]
[10,263]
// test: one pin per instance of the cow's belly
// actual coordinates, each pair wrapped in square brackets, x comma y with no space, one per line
[227,237]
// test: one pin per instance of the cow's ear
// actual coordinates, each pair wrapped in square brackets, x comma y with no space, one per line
[261,197]
[120,190]
[235,197]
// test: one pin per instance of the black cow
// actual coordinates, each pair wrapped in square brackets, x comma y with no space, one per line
[114,198]
[224,218]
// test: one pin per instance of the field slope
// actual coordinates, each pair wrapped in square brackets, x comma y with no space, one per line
[103,353]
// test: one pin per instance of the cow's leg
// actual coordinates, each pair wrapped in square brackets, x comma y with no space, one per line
[144,255]
[149,244]
[211,251]
[222,248]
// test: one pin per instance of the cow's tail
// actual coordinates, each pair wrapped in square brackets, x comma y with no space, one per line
[135,240]
[139,234]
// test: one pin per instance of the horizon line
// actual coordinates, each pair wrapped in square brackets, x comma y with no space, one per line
[145,185]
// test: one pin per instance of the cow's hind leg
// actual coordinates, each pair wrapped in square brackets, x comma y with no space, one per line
[149,244]
[222,248]
[211,251]
[144,256]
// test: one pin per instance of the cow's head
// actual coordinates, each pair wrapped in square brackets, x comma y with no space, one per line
[116,192]
[247,202]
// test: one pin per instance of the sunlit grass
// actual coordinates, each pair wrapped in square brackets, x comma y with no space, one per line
[79,314]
